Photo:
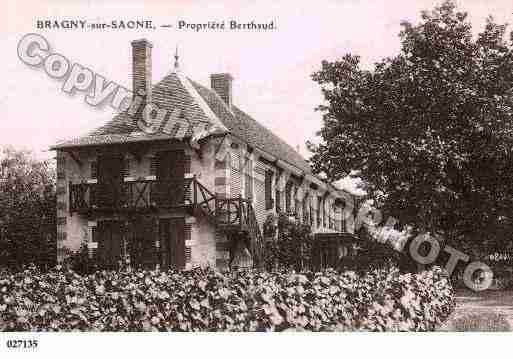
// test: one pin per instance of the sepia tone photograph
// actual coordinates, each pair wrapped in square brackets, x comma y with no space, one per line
[343,166]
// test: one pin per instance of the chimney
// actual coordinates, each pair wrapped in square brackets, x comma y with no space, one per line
[222,84]
[141,70]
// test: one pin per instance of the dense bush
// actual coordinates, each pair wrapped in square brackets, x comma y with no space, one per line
[205,300]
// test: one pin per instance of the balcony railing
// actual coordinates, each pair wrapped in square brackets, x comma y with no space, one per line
[333,223]
[134,195]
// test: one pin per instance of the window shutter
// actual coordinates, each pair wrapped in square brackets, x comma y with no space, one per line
[324,212]
[268,188]
[296,201]
[248,174]
[153,165]
[126,167]
[94,169]
[319,203]
[305,209]
[288,195]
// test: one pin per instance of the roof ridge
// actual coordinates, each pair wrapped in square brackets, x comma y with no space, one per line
[236,113]
[200,101]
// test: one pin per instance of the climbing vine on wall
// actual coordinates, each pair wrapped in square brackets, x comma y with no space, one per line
[288,244]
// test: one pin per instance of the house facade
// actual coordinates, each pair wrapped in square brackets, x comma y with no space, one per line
[184,179]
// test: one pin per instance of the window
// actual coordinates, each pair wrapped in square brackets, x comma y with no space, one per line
[268,189]
[248,178]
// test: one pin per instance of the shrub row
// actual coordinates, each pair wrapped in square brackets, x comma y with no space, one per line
[206,300]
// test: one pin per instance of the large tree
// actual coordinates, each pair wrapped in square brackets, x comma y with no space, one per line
[430,129]
[27,210]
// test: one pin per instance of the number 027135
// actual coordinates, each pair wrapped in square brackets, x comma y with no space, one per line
[21,344]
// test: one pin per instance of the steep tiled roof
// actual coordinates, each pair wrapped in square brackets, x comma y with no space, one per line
[168,94]
[249,130]
[198,105]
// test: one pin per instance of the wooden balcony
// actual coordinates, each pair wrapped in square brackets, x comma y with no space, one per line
[230,214]
[139,196]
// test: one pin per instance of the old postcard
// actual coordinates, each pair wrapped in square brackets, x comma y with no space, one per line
[225,166]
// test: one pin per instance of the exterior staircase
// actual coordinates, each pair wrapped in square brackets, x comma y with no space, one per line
[234,216]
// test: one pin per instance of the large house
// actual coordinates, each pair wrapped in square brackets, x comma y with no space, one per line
[194,190]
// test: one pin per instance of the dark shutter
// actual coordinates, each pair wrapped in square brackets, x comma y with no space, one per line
[296,202]
[149,236]
[94,169]
[135,242]
[248,176]
[324,212]
[126,167]
[153,165]
[103,243]
[109,236]
[166,245]
[288,195]
[268,189]
[178,232]
[172,243]
[304,206]
[319,203]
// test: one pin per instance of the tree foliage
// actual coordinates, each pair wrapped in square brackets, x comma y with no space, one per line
[27,210]
[430,129]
